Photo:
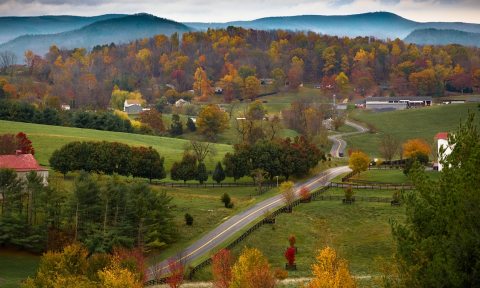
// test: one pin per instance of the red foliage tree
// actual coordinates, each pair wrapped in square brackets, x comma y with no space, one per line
[24,144]
[222,269]
[132,259]
[176,270]
[305,193]
[290,255]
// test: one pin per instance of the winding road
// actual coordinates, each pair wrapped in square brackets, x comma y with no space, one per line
[235,223]
[339,145]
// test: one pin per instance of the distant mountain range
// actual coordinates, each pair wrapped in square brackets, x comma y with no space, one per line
[433,36]
[38,33]
[117,30]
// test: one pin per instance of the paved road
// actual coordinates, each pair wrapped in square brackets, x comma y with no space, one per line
[241,220]
[339,144]
[225,230]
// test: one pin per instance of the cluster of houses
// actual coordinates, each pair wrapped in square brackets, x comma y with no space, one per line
[393,103]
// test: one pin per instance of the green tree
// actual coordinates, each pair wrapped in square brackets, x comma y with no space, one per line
[202,174]
[438,244]
[218,174]
[176,128]
[186,169]
[191,125]
[147,163]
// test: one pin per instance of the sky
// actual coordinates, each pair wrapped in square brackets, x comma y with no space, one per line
[231,10]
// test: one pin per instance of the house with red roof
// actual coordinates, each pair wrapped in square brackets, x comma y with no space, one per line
[24,164]
[442,144]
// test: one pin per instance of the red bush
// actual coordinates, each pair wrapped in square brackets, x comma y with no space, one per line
[305,193]
[290,255]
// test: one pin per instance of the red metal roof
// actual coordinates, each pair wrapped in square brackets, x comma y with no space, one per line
[21,162]
[442,135]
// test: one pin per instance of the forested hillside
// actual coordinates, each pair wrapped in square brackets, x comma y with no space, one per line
[235,59]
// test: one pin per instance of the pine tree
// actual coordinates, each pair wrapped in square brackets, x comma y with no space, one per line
[202,174]
[218,173]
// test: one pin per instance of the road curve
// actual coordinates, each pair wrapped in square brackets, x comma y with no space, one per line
[225,230]
[339,144]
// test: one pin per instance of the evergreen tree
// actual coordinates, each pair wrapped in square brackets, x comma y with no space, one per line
[191,125]
[186,169]
[218,173]
[176,128]
[202,174]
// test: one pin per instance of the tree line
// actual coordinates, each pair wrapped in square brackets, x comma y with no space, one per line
[282,157]
[236,59]
[100,212]
[108,158]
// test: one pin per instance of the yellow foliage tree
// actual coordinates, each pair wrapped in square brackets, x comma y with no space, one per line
[252,87]
[201,84]
[117,277]
[119,96]
[288,193]
[252,270]
[211,121]
[414,147]
[331,271]
[358,161]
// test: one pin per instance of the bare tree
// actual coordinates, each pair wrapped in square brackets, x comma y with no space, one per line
[201,149]
[7,62]
[288,194]
[389,147]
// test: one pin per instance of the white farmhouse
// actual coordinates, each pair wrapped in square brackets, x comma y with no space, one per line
[442,144]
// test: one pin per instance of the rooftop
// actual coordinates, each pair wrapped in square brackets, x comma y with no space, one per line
[20,162]
[442,135]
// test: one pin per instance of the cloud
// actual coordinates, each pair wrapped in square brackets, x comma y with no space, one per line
[338,3]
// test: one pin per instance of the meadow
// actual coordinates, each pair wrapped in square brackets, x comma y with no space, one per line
[47,139]
[422,123]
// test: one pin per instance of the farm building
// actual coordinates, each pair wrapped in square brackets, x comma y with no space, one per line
[181,103]
[23,164]
[396,103]
[442,144]
[132,106]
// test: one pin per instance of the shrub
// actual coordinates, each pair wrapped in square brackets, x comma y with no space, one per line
[292,240]
[226,200]
[349,193]
[290,255]
[188,219]
[280,274]
[305,193]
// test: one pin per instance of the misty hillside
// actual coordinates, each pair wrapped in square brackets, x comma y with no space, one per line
[378,24]
[118,30]
[433,36]
[13,27]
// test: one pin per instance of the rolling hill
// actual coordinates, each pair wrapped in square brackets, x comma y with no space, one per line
[443,37]
[117,30]
[13,27]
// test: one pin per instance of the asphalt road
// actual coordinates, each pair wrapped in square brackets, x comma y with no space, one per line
[339,144]
[228,228]
[239,221]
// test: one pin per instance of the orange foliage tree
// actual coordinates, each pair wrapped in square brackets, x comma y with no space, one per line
[252,270]
[212,121]
[358,161]
[415,147]
[222,268]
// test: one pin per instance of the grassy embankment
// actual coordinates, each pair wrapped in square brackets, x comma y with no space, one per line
[407,124]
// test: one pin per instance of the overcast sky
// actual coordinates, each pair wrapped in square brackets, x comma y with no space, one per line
[230,10]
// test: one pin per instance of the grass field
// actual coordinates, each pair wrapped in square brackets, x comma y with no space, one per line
[361,233]
[207,210]
[15,266]
[47,139]
[407,124]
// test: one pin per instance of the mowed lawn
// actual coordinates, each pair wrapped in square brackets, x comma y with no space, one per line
[422,123]
[361,233]
[16,266]
[47,139]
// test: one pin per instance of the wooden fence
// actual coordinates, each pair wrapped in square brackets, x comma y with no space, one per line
[315,195]
[372,186]
[211,185]
[348,176]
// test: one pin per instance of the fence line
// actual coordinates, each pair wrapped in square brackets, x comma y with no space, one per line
[376,186]
[348,176]
[315,195]
[212,185]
